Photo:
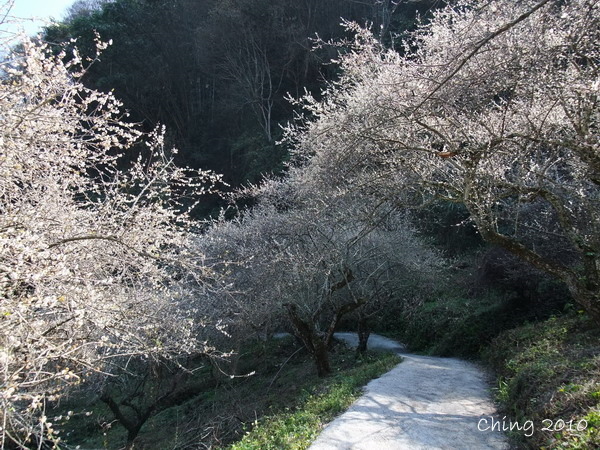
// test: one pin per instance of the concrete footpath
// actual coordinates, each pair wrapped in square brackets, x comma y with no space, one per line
[423,403]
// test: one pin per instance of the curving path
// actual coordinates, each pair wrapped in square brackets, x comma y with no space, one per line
[423,403]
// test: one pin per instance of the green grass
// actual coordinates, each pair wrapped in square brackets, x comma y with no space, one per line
[549,373]
[296,428]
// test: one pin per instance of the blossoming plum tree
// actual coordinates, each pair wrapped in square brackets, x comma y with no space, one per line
[493,105]
[306,260]
[95,263]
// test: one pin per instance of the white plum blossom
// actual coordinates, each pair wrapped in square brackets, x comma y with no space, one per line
[96,265]
[492,104]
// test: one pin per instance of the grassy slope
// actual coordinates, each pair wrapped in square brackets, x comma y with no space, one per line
[283,405]
[296,428]
[451,326]
[549,374]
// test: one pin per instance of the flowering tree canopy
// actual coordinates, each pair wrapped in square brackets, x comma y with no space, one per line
[95,263]
[492,104]
[315,258]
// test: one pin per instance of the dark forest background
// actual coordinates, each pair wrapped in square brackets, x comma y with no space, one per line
[217,72]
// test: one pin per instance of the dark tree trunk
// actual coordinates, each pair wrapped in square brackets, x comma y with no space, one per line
[588,299]
[131,435]
[314,343]
[586,288]
[317,343]
[133,417]
[132,425]
[363,335]
[321,357]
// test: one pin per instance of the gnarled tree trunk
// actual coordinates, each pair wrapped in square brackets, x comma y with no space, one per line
[317,343]
[363,334]
[312,340]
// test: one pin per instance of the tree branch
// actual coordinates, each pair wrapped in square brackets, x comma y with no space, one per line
[478,46]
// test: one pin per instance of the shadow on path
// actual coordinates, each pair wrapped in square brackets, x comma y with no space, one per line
[423,403]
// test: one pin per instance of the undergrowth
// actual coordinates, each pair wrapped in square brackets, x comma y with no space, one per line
[283,404]
[549,374]
[296,427]
[452,326]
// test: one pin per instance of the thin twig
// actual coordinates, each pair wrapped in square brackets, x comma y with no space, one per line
[478,47]
[281,368]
